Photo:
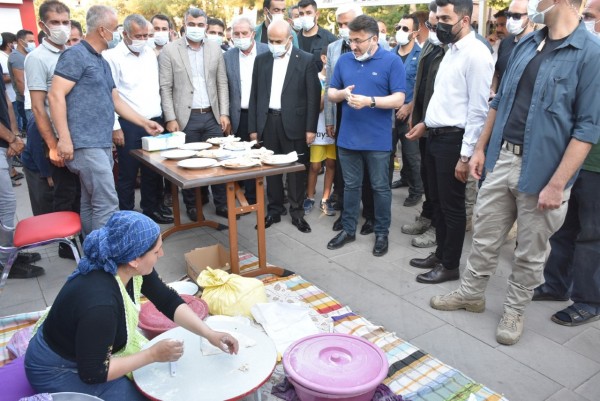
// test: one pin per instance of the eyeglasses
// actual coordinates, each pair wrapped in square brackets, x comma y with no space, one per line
[404,28]
[358,41]
[515,16]
[432,28]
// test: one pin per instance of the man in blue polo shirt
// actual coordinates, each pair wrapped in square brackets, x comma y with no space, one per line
[540,128]
[83,100]
[370,83]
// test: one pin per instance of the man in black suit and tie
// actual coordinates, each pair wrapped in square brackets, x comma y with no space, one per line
[283,113]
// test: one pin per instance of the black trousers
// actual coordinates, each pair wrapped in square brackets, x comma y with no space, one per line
[274,139]
[242,132]
[447,195]
[427,204]
[200,127]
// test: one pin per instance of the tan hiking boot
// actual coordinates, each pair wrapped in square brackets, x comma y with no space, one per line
[455,301]
[510,328]
[420,225]
[425,240]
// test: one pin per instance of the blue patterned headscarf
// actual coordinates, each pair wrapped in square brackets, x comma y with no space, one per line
[126,236]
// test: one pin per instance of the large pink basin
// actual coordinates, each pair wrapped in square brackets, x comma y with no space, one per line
[330,366]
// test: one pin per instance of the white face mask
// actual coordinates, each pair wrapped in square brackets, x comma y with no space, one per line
[591,26]
[434,39]
[137,46]
[402,37]
[59,34]
[308,23]
[382,37]
[344,33]
[215,38]
[161,38]
[297,23]
[515,27]
[242,43]
[151,43]
[534,15]
[365,56]
[195,33]
[276,17]
[278,50]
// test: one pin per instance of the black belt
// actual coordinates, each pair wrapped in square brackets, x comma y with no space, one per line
[517,150]
[202,111]
[275,112]
[445,131]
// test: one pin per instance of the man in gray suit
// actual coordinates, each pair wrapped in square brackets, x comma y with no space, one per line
[239,63]
[194,94]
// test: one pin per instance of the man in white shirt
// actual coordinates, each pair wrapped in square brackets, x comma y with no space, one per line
[453,121]
[135,72]
[239,63]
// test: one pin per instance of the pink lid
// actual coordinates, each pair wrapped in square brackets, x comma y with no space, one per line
[337,364]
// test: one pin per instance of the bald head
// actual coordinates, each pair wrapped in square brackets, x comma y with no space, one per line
[280,27]
[518,6]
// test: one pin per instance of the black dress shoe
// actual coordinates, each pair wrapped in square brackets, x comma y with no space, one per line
[168,200]
[192,214]
[25,270]
[428,263]
[165,211]
[223,212]
[270,220]
[27,258]
[159,218]
[439,274]
[367,228]
[381,245]
[337,225]
[65,251]
[301,225]
[340,240]
[399,184]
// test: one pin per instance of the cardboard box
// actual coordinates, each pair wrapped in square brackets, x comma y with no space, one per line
[214,256]
[163,141]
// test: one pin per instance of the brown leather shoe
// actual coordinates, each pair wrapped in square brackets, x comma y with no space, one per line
[428,263]
[439,274]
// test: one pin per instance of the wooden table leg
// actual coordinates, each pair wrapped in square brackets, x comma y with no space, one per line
[233,233]
[177,226]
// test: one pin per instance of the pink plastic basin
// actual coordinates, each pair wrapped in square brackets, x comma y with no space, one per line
[335,366]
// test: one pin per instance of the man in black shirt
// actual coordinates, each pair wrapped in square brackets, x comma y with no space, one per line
[312,38]
[11,145]
[518,25]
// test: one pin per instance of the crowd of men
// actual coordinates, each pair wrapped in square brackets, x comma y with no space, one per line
[518,119]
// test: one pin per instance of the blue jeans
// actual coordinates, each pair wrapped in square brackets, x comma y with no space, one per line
[411,160]
[572,268]
[98,195]
[377,164]
[19,109]
[48,372]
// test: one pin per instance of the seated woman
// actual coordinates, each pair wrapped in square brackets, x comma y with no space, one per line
[89,340]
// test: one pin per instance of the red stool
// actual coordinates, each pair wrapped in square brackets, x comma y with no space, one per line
[41,230]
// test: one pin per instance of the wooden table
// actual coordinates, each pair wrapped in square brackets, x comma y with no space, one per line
[188,179]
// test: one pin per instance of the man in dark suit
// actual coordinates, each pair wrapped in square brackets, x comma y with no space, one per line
[239,64]
[283,114]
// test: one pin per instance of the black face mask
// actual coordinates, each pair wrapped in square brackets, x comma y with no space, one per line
[445,34]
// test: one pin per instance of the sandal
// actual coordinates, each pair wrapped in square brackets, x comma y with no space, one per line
[573,316]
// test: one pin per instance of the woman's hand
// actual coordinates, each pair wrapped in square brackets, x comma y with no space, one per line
[167,351]
[223,341]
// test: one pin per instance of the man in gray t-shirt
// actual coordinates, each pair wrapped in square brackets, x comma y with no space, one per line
[16,68]
[83,100]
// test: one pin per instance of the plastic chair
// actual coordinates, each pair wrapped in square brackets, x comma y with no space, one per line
[38,231]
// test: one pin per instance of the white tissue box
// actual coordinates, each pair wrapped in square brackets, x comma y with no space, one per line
[164,141]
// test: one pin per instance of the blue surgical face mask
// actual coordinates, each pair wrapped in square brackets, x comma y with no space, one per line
[115,39]
[29,46]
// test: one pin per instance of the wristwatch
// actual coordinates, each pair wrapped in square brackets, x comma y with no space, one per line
[464,159]
[373,102]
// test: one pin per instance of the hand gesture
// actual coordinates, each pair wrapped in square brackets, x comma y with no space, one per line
[167,350]
[224,341]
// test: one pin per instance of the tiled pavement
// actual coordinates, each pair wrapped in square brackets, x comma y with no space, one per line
[549,363]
